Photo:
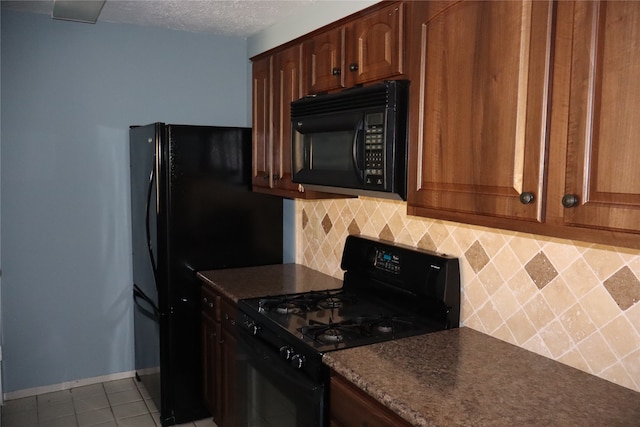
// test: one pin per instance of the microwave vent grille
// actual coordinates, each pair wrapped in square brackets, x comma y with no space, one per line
[350,99]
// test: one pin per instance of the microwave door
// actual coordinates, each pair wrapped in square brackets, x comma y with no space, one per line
[325,150]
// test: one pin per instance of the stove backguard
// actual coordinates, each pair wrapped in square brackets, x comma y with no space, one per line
[426,281]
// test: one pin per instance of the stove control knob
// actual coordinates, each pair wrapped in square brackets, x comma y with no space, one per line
[252,327]
[297,361]
[255,329]
[286,352]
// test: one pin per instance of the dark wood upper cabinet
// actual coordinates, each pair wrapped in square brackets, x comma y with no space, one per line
[602,184]
[367,49]
[262,131]
[480,77]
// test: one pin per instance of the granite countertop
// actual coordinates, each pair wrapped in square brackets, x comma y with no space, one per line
[462,377]
[252,282]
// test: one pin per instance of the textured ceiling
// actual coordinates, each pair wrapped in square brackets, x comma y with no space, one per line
[240,18]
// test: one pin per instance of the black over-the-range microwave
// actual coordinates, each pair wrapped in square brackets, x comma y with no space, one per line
[352,142]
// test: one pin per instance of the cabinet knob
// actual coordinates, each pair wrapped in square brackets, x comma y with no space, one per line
[210,305]
[265,176]
[335,71]
[527,197]
[353,67]
[570,200]
[276,177]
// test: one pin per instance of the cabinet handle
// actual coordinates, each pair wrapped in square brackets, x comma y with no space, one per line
[300,188]
[210,305]
[276,177]
[570,200]
[335,71]
[353,67]
[527,197]
[265,176]
[204,300]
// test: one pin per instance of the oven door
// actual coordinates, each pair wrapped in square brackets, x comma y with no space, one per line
[273,393]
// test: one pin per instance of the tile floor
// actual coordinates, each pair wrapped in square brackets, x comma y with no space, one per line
[115,403]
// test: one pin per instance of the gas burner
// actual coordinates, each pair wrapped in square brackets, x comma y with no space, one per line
[333,332]
[303,303]
[331,335]
[332,301]
[287,308]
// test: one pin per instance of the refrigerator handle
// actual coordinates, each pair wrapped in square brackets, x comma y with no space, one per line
[146,223]
[139,294]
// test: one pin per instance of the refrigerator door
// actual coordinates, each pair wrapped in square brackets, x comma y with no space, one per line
[142,149]
[207,218]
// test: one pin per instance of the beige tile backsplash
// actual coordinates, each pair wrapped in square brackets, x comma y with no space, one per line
[573,302]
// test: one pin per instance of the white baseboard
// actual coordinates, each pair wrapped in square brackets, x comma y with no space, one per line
[66,385]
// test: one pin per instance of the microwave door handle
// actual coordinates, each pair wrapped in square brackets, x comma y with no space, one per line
[357,138]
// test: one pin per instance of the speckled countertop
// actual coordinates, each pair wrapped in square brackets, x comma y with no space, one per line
[462,377]
[251,282]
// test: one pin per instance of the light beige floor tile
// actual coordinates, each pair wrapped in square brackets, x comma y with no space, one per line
[95,417]
[129,410]
[87,390]
[119,385]
[66,421]
[91,403]
[54,397]
[207,422]
[151,405]
[144,420]
[19,419]
[20,405]
[48,412]
[122,397]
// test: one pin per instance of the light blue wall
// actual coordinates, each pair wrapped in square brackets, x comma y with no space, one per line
[69,93]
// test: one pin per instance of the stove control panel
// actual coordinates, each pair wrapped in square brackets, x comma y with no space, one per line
[387,261]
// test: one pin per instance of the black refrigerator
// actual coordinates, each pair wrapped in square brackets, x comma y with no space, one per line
[192,209]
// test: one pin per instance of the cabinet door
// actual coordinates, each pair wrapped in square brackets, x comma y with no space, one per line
[480,75]
[210,356]
[350,407]
[604,118]
[287,87]
[262,129]
[324,61]
[375,46]
[228,380]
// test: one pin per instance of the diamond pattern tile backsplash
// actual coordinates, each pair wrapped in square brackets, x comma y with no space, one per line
[573,302]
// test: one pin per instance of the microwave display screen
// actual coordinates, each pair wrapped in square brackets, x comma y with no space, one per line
[332,151]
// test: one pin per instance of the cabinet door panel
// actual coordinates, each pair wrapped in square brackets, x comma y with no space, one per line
[375,45]
[262,130]
[323,55]
[604,112]
[480,116]
[287,88]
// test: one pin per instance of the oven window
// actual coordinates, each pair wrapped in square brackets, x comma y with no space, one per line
[272,393]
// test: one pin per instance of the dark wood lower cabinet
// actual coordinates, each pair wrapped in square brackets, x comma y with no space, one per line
[351,407]
[218,335]
[227,362]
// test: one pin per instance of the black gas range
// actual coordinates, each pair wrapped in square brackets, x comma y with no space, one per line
[390,291]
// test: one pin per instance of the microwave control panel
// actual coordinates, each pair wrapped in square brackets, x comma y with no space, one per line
[374,150]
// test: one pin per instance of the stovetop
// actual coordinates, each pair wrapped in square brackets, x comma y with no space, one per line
[336,319]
